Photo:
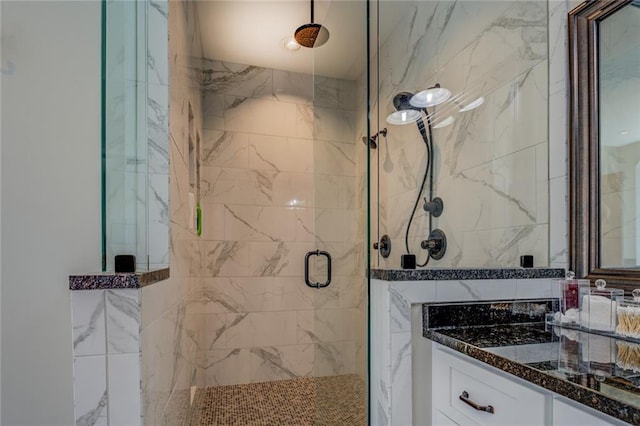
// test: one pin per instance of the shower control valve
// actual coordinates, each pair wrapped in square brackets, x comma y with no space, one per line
[436,244]
[435,206]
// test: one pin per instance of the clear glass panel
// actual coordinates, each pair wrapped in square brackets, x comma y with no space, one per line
[125,184]
[490,137]
[339,124]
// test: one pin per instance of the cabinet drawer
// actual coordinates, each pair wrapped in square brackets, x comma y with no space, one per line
[512,403]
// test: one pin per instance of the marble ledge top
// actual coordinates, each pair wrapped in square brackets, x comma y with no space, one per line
[465,274]
[112,280]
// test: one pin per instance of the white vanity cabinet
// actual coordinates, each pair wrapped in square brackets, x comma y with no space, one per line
[513,401]
[497,400]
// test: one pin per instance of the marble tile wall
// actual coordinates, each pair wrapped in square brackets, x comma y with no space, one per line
[169,329]
[106,357]
[278,180]
[492,165]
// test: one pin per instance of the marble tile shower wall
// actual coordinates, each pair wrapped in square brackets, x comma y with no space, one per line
[278,181]
[492,164]
[169,329]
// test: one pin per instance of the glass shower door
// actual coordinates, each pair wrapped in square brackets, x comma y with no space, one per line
[337,265]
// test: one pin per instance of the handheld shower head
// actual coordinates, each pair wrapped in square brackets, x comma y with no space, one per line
[402,101]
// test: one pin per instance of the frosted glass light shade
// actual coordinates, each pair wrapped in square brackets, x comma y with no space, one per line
[430,97]
[404,116]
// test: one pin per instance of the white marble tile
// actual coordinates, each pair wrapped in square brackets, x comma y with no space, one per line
[293,189]
[450,291]
[262,329]
[212,110]
[305,224]
[401,377]
[123,321]
[124,389]
[212,333]
[502,190]
[158,221]
[335,225]
[225,367]
[238,186]
[158,128]
[534,288]
[277,258]
[249,223]
[521,111]
[503,247]
[225,258]
[558,221]
[293,87]
[239,294]
[403,294]
[291,293]
[260,116]
[281,362]
[238,80]
[335,158]
[280,154]
[89,333]
[304,122]
[90,390]
[225,149]
[334,358]
[542,183]
[329,324]
[157,42]
[333,191]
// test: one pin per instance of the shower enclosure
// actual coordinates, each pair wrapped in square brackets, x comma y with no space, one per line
[279,179]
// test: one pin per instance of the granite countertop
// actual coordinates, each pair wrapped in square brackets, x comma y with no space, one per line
[432,274]
[112,280]
[599,371]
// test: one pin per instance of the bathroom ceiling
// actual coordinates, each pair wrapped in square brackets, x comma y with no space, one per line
[251,31]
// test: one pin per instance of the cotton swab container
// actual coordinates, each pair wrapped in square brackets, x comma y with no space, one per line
[628,310]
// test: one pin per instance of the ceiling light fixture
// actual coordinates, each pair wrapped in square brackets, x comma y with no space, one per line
[290,44]
[312,34]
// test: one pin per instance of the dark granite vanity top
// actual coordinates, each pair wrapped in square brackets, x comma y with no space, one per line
[111,280]
[434,274]
[599,371]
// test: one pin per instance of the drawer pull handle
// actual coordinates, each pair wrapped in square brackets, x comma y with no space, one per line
[465,398]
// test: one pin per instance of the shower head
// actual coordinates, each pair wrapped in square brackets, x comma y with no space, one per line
[372,140]
[402,101]
[312,34]
[405,112]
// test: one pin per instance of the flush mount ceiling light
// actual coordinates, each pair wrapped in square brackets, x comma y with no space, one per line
[431,97]
[290,44]
[312,34]
[473,104]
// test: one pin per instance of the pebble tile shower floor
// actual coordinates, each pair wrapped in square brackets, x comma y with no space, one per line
[306,401]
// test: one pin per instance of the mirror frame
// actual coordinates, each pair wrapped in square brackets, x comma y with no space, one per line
[584,149]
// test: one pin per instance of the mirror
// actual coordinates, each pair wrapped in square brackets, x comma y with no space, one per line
[604,154]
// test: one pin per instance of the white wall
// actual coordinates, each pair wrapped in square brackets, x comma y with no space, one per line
[50,198]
